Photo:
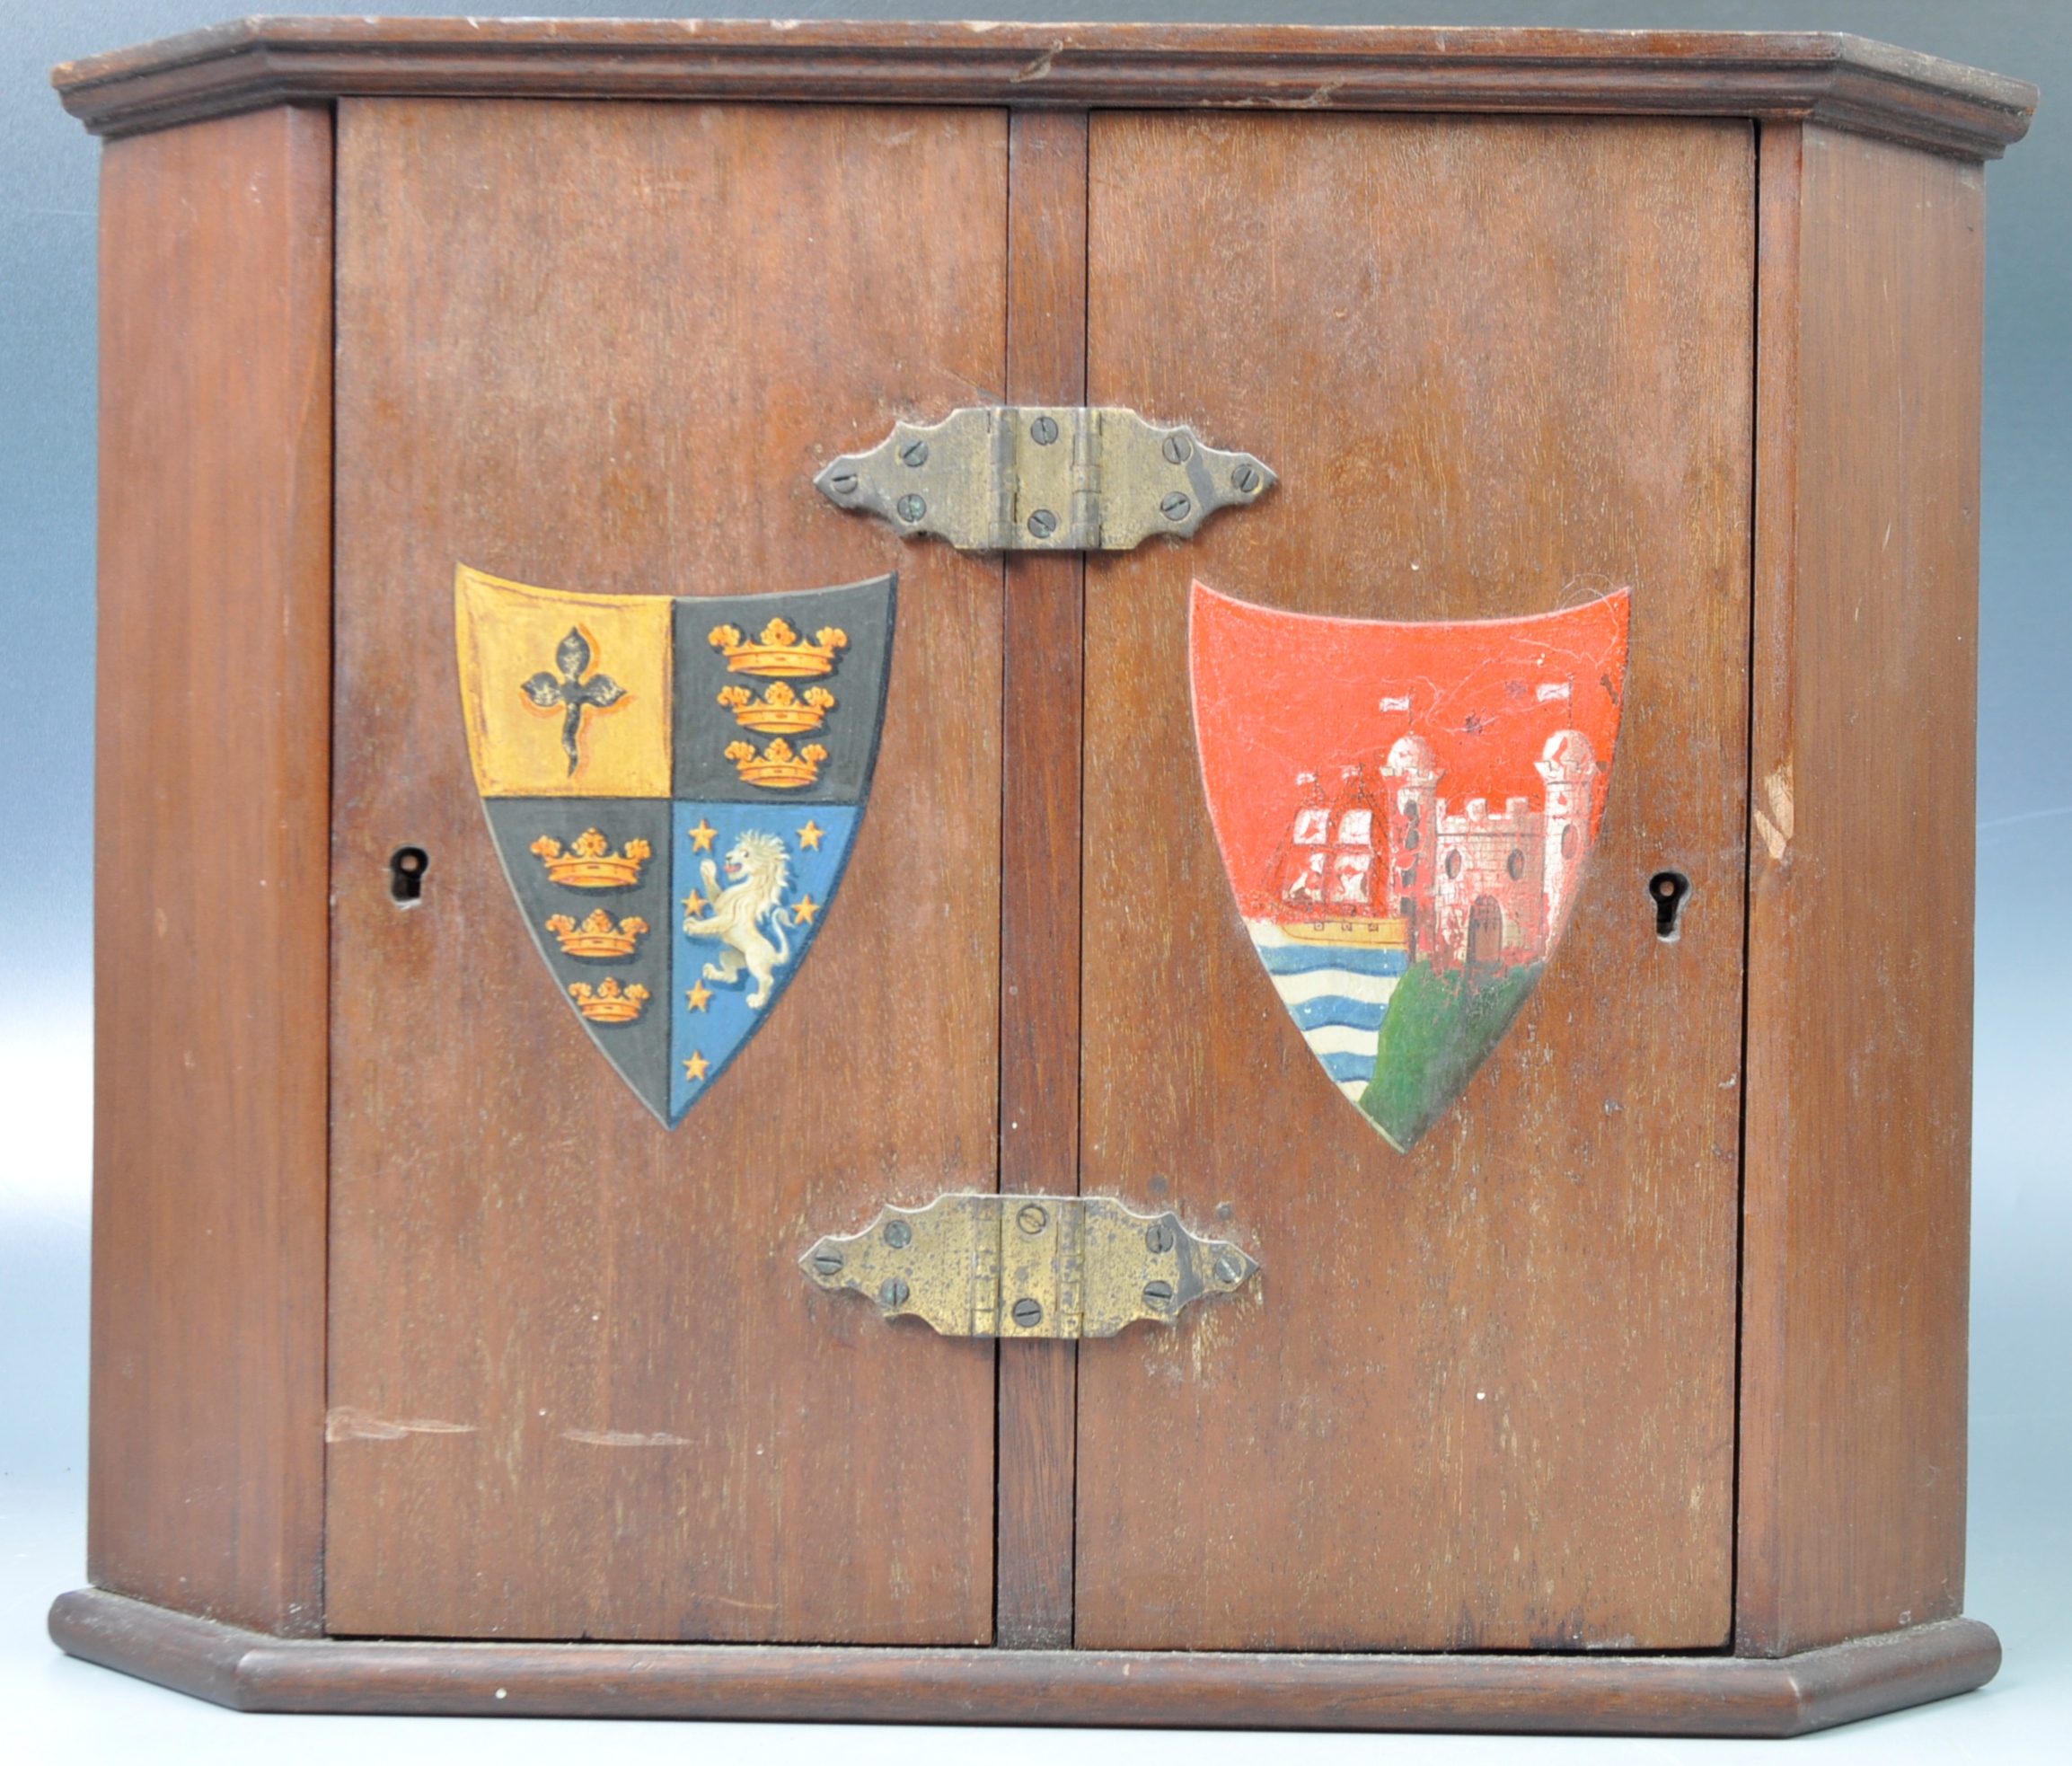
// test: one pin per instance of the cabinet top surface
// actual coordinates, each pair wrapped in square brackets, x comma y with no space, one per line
[1842,81]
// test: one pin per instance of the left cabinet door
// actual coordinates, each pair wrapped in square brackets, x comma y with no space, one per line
[578,1386]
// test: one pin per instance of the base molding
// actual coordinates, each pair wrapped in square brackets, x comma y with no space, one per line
[1649,1695]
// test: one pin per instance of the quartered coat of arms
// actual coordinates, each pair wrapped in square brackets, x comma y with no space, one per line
[1406,814]
[673,786]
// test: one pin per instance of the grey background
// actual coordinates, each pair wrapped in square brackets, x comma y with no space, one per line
[2022,1390]
[639,1050]
[865,612]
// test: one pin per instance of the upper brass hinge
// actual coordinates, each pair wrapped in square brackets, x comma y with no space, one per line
[1043,478]
[1028,1266]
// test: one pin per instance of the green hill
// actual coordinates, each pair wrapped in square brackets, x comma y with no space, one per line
[1438,1028]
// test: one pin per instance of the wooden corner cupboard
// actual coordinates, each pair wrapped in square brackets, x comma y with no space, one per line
[452,1347]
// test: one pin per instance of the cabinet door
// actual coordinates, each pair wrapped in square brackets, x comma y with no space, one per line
[578,1387]
[1481,1395]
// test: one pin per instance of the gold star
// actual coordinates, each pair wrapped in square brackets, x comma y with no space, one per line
[699,997]
[694,1068]
[802,915]
[702,835]
[809,837]
[694,902]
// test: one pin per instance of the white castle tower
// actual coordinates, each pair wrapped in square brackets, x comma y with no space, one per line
[1569,766]
[1414,773]
[1413,836]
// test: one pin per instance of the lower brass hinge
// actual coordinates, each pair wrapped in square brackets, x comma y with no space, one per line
[1028,1266]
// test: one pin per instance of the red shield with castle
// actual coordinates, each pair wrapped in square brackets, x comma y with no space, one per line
[1406,814]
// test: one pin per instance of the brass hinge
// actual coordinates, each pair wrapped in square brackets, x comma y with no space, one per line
[1043,478]
[1028,1266]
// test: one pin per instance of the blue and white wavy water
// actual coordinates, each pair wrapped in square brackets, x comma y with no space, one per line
[1336,993]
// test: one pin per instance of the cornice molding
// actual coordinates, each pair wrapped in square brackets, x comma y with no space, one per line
[1844,81]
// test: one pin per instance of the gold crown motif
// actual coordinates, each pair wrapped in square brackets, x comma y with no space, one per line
[607,1002]
[596,936]
[777,768]
[780,710]
[590,863]
[777,650]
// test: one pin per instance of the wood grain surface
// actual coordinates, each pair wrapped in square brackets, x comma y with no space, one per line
[1859,1175]
[1039,1096]
[1842,81]
[210,870]
[606,348]
[1705,1695]
[1479,1397]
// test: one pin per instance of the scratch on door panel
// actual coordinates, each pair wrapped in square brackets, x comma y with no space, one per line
[1776,828]
[347,1422]
[619,1438]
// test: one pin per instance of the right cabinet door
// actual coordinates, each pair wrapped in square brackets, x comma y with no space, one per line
[1481,1394]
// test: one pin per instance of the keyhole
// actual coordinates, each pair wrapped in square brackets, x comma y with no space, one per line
[1668,889]
[407,867]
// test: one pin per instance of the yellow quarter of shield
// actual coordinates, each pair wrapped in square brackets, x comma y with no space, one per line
[510,635]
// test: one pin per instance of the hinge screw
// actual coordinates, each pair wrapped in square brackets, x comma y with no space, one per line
[1159,1238]
[894,1291]
[912,508]
[1228,1269]
[1043,524]
[843,483]
[1028,1314]
[898,1234]
[1176,505]
[827,1263]
[1247,478]
[1176,449]
[914,454]
[1044,431]
[1157,1294]
[1032,1220]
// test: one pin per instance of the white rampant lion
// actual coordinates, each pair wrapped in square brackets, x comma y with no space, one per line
[757,870]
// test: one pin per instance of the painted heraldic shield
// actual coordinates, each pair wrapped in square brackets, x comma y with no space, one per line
[1405,813]
[673,786]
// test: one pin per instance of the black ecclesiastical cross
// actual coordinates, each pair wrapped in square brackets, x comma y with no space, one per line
[572,658]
